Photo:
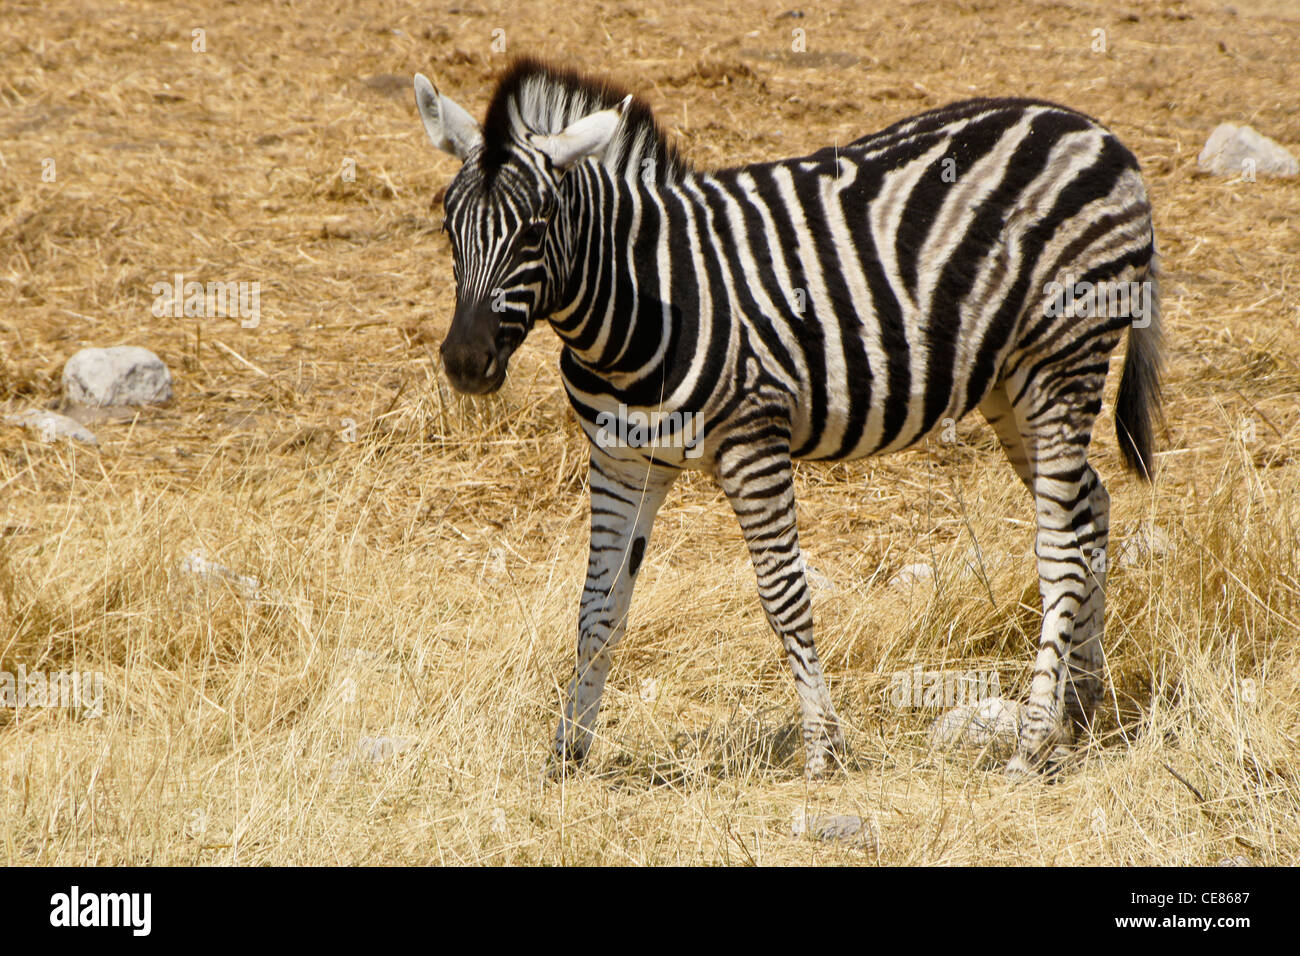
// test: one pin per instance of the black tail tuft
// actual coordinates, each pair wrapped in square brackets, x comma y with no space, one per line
[1137,406]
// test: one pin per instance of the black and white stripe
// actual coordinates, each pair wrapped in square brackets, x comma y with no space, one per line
[832,306]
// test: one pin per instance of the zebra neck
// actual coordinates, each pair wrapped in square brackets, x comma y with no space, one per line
[608,239]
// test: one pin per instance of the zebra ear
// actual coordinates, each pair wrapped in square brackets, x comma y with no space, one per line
[450,128]
[589,136]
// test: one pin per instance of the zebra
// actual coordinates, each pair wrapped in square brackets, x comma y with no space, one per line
[827,307]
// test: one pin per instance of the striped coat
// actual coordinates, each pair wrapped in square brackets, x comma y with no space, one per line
[990,254]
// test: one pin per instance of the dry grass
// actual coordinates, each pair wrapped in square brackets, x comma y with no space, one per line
[422,581]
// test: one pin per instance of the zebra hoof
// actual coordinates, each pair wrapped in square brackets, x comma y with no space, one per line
[819,768]
[566,760]
[1060,759]
[826,760]
[1020,770]
[558,770]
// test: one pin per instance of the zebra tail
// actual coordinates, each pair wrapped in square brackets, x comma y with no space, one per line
[1138,403]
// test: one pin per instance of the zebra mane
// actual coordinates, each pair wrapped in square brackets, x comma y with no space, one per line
[535,97]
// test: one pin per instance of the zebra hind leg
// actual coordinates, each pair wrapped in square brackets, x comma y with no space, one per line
[1085,681]
[1054,413]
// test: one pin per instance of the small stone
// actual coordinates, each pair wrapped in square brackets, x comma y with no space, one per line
[912,575]
[1147,542]
[842,828]
[494,564]
[50,427]
[379,749]
[121,375]
[1234,861]
[198,565]
[1241,151]
[817,580]
[991,726]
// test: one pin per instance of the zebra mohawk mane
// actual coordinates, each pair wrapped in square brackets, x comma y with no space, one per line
[535,97]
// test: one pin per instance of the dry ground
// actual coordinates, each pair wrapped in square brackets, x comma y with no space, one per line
[421,582]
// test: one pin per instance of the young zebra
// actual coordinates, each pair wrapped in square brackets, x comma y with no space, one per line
[828,307]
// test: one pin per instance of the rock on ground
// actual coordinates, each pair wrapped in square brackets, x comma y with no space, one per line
[380,749]
[817,580]
[121,375]
[49,426]
[845,829]
[990,725]
[198,565]
[911,576]
[1147,542]
[1230,149]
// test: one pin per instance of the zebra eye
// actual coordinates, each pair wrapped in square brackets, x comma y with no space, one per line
[533,233]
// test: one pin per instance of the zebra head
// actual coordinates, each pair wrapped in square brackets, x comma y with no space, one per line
[500,208]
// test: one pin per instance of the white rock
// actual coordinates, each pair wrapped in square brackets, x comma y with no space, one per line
[1231,150]
[842,828]
[1147,542]
[49,427]
[991,726]
[121,375]
[912,575]
[494,564]
[817,580]
[379,749]
[198,565]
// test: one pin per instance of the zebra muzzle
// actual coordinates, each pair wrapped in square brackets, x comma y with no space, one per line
[474,368]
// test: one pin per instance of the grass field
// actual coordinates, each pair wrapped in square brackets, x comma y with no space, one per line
[417,586]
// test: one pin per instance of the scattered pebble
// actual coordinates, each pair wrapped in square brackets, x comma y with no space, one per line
[817,580]
[199,566]
[912,575]
[50,427]
[380,749]
[1232,149]
[1147,542]
[990,726]
[842,828]
[121,375]
[494,564]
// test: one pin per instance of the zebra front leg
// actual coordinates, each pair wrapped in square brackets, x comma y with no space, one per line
[757,477]
[625,496]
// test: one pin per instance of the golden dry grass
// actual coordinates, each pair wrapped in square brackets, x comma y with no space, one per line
[422,581]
